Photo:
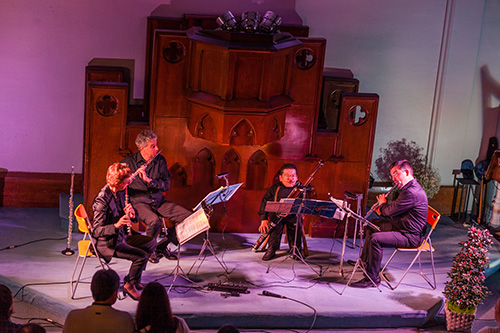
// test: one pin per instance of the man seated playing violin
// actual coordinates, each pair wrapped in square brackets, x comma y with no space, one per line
[287,181]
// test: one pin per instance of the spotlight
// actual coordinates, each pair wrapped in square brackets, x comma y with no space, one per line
[250,21]
[270,22]
[226,21]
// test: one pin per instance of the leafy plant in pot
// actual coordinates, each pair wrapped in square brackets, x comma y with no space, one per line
[396,150]
[465,289]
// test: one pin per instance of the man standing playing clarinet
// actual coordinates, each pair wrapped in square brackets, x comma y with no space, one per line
[287,181]
[146,193]
[403,223]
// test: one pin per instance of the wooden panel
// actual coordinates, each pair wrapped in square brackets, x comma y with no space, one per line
[357,127]
[28,189]
[170,65]
[104,133]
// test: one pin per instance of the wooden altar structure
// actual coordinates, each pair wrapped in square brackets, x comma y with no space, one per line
[239,103]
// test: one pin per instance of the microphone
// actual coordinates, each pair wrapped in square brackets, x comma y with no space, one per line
[268,293]
[222,175]
[304,187]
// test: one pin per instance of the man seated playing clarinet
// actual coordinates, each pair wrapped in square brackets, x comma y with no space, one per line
[287,181]
[403,223]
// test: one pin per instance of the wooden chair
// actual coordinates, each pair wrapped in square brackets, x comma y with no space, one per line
[86,247]
[432,219]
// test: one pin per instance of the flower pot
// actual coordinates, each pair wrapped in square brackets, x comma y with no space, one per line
[458,322]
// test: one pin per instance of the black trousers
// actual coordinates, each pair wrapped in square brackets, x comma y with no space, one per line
[150,215]
[275,236]
[389,236]
[136,248]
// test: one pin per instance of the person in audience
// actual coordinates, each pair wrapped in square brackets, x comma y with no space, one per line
[6,308]
[101,316]
[287,181]
[146,193]
[403,223]
[112,228]
[154,314]
[497,318]
[31,328]
[228,328]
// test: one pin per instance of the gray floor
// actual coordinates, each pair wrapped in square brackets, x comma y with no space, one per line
[32,265]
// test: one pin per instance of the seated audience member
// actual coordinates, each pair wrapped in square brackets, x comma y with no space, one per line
[154,313]
[6,308]
[497,318]
[31,328]
[228,328]
[101,316]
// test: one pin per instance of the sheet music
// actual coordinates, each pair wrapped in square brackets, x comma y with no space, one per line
[192,226]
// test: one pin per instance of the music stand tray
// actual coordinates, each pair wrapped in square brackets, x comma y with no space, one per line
[222,194]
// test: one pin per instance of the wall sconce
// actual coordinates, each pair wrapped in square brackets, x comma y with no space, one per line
[270,22]
[226,21]
[250,21]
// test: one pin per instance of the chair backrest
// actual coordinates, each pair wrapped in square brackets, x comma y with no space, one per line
[433,217]
[82,219]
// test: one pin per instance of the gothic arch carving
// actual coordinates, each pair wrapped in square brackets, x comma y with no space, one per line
[242,133]
[256,171]
[231,162]
[206,128]
[178,175]
[204,169]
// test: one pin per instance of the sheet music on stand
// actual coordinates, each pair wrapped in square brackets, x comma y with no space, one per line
[320,208]
[221,194]
[192,226]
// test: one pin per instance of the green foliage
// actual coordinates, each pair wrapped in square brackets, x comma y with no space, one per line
[465,288]
[402,149]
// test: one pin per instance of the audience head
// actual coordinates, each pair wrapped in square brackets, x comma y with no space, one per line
[6,303]
[228,328]
[144,137]
[104,286]
[118,176]
[154,309]
[31,328]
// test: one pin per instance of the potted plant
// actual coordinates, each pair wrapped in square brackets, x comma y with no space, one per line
[402,149]
[465,289]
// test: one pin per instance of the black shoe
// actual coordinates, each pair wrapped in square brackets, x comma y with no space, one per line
[365,283]
[351,262]
[153,258]
[166,254]
[270,254]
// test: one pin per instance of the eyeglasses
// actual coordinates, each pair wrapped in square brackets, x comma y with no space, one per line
[396,173]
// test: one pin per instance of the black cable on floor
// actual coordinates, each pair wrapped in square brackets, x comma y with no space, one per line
[30,242]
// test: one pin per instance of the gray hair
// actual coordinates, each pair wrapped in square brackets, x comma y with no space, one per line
[144,137]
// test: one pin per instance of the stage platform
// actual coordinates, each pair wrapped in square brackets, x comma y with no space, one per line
[313,295]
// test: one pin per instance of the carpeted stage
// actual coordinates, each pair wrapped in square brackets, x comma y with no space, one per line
[32,240]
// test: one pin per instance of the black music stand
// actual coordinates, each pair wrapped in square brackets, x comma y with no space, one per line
[359,263]
[301,206]
[222,194]
[189,228]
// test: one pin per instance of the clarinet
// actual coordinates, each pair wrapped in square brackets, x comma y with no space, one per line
[279,217]
[129,225]
[375,206]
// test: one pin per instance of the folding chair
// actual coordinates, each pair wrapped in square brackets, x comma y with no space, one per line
[432,219]
[84,246]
